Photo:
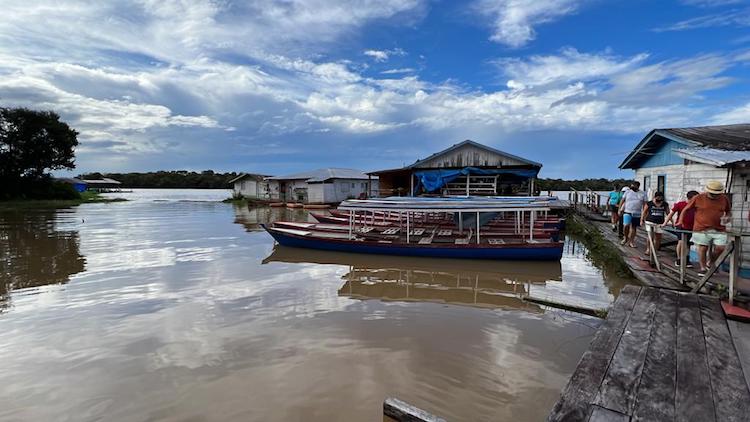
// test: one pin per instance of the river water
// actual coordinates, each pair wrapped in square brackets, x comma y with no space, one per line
[175,307]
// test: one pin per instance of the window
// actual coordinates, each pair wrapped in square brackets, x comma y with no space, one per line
[661,184]
[646,183]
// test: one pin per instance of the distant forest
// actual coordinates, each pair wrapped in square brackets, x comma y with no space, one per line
[169,179]
[208,179]
[593,184]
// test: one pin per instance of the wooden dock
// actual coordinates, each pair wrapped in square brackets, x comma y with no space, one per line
[660,355]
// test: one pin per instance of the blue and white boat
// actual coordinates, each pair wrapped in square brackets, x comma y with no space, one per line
[414,238]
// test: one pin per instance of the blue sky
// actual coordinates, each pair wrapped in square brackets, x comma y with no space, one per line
[277,87]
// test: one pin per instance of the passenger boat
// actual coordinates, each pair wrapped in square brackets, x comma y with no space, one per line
[438,241]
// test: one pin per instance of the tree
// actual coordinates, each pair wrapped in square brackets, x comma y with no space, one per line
[33,142]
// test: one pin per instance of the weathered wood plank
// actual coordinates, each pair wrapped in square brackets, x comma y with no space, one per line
[619,388]
[586,379]
[656,393]
[600,414]
[693,397]
[401,411]
[730,394]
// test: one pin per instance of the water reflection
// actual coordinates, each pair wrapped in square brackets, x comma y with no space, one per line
[34,252]
[251,217]
[475,283]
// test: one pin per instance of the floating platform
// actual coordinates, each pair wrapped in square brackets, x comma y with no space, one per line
[660,355]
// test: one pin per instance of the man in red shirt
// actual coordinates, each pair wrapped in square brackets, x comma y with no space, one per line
[710,207]
[687,224]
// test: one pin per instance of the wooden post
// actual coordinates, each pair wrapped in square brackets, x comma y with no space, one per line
[683,257]
[407,227]
[531,225]
[712,270]
[477,227]
[734,263]
[467,184]
[351,222]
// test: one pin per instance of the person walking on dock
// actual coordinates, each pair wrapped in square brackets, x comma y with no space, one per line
[711,209]
[678,209]
[614,202]
[652,218]
[631,207]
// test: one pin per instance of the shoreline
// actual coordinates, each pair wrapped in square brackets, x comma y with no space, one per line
[86,198]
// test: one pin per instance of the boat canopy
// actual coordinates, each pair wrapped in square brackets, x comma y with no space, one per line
[434,179]
[453,204]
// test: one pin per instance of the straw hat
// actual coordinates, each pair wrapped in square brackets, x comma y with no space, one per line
[715,186]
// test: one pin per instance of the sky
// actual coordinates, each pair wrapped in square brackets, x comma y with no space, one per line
[278,87]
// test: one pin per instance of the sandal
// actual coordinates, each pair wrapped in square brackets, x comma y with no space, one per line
[632,245]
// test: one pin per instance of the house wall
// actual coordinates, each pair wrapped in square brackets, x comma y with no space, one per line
[740,190]
[680,179]
[251,188]
[664,155]
[469,155]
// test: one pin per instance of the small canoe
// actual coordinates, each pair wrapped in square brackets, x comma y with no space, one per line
[276,204]
[294,205]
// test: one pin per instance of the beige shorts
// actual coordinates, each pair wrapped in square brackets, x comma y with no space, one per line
[710,236]
[654,227]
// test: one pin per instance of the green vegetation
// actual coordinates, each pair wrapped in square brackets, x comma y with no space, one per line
[207,179]
[83,198]
[600,251]
[593,184]
[31,144]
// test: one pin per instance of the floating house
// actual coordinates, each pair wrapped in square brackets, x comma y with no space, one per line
[78,184]
[251,186]
[104,184]
[322,186]
[677,160]
[465,169]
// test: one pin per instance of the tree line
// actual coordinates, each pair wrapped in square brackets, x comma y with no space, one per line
[207,179]
[593,184]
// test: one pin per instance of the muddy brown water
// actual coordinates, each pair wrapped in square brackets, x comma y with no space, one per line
[179,310]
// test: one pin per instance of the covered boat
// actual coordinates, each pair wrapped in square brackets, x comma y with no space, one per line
[431,240]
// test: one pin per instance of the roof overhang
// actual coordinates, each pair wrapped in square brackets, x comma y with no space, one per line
[655,134]
[713,156]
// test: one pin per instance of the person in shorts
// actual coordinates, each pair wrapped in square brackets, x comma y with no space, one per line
[631,207]
[678,209]
[614,202]
[652,217]
[710,207]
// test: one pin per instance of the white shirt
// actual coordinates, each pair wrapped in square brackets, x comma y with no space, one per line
[634,201]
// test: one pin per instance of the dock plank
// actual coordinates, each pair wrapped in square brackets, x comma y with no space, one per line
[586,379]
[618,390]
[730,393]
[600,414]
[656,392]
[693,397]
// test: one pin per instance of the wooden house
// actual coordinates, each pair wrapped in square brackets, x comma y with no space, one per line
[464,169]
[252,186]
[321,186]
[677,160]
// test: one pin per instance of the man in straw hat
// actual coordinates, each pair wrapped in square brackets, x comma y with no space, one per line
[711,207]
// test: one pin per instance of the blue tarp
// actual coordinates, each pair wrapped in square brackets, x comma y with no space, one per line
[433,180]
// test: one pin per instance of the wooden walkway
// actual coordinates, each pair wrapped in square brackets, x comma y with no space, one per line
[660,355]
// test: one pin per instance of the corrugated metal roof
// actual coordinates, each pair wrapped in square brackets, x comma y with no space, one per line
[726,137]
[102,181]
[321,175]
[713,156]
[478,145]
[244,175]
[71,180]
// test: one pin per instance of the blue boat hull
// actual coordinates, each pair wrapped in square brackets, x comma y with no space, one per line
[541,252]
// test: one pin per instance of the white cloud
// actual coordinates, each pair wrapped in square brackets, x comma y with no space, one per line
[711,3]
[735,17]
[398,71]
[513,21]
[384,55]
[740,114]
